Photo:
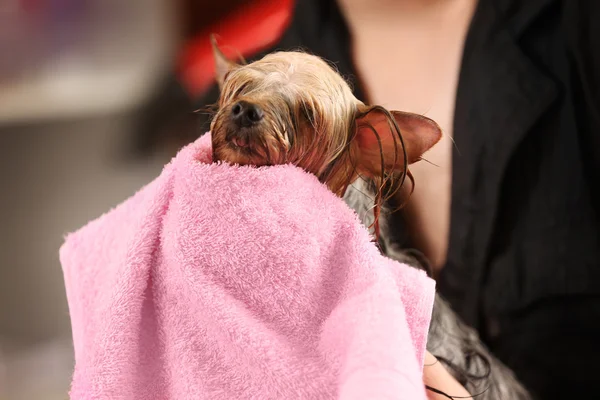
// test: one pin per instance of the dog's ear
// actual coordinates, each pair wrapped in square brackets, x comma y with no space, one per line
[222,64]
[380,146]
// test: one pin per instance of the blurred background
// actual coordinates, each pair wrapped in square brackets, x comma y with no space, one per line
[85,87]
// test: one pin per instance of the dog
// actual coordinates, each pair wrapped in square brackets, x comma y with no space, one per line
[294,108]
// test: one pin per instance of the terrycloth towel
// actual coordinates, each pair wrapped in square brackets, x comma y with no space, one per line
[225,282]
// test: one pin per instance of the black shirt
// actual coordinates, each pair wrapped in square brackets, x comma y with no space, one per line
[525,213]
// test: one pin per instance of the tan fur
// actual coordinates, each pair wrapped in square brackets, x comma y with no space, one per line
[313,120]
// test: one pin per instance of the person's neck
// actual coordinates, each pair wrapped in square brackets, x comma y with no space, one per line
[371,8]
[404,15]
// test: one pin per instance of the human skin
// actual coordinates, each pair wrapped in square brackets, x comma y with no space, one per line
[436,376]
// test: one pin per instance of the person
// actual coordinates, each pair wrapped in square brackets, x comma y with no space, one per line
[507,208]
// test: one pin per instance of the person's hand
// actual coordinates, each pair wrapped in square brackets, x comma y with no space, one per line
[436,376]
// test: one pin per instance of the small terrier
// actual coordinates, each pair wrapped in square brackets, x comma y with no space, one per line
[292,107]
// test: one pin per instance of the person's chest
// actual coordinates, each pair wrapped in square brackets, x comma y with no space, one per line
[415,68]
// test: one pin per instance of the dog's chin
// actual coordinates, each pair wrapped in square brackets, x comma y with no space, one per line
[230,149]
[229,152]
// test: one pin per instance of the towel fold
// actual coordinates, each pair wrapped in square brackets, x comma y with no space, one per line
[226,282]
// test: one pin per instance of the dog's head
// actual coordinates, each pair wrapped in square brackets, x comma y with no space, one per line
[292,107]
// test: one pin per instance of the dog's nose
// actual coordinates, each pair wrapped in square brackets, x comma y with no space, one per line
[246,114]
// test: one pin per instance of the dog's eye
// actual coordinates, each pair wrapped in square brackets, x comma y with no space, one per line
[308,114]
[241,89]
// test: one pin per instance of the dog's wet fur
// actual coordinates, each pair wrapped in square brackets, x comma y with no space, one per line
[293,107]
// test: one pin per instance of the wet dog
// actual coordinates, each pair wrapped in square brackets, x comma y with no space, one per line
[293,107]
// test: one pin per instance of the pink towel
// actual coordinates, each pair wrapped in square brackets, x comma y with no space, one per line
[223,282]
